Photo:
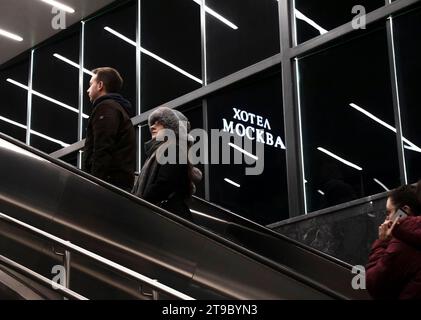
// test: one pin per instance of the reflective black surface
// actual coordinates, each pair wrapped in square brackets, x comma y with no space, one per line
[106,49]
[15,99]
[251,35]
[171,31]
[263,197]
[136,234]
[347,110]
[314,18]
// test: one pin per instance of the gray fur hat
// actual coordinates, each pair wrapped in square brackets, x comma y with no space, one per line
[171,119]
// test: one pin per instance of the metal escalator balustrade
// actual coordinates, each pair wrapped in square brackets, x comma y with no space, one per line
[135,233]
[158,287]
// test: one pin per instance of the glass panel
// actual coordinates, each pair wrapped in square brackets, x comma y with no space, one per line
[53,127]
[408,52]
[55,115]
[13,109]
[347,113]
[104,47]
[175,38]
[252,109]
[314,18]
[239,34]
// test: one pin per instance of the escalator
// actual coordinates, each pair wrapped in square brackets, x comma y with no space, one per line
[219,256]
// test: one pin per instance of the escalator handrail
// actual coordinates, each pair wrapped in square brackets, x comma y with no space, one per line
[65,292]
[266,230]
[86,253]
[192,226]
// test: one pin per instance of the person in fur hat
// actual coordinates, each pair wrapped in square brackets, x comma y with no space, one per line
[168,185]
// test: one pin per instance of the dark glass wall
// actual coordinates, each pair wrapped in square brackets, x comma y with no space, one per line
[314,18]
[171,50]
[249,33]
[13,110]
[408,52]
[345,88]
[252,109]
[57,120]
[104,47]
[345,95]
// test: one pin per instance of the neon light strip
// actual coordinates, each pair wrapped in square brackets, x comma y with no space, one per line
[17,124]
[243,151]
[59,5]
[304,18]
[301,16]
[61,104]
[232,182]
[348,163]
[74,64]
[153,55]
[10,35]
[411,146]
[217,16]
[381,184]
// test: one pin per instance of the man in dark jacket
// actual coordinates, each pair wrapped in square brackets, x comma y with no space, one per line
[394,267]
[110,147]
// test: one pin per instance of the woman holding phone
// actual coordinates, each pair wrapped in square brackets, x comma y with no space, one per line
[394,267]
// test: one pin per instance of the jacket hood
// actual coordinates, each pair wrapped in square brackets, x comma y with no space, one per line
[409,231]
[119,99]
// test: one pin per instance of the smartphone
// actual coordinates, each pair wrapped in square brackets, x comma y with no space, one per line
[399,214]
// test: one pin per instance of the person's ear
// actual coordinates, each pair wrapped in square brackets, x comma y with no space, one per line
[100,85]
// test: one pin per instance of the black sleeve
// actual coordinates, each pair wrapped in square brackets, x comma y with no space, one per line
[105,126]
[171,178]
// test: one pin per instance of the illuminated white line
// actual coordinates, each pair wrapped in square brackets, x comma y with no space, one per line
[411,146]
[381,184]
[74,64]
[232,182]
[217,16]
[63,144]
[243,151]
[304,18]
[59,5]
[207,216]
[61,104]
[348,163]
[17,124]
[321,192]
[300,16]
[153,55]
[10,35]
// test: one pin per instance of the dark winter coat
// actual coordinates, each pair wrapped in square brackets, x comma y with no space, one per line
[165,185]
[394,267]
[110,147]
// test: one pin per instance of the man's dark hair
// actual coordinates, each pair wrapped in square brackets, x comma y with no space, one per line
[112,80]
[407,195]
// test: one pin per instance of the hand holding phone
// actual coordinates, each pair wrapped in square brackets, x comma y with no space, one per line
[399,214]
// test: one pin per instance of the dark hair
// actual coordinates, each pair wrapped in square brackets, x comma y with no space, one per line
[113,82]
[407,195]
